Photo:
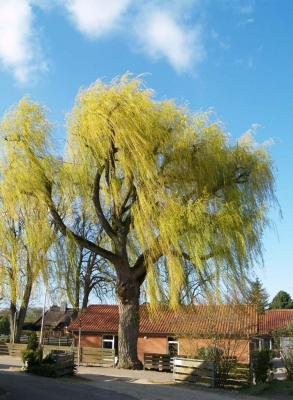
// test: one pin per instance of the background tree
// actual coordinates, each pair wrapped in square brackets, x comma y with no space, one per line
[160,180]
[79,271]
[196,288]
[258,296]
[281,300]
[24,243]
[25,232]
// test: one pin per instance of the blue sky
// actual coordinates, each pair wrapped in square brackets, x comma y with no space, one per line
[235,57]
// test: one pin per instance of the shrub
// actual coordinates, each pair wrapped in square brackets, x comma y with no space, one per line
[29,357]
[262,364]
[4,325]
[36,364]
[32,357]
[210,353]
[32,343]
[33,354]
[223,364]
[287,357]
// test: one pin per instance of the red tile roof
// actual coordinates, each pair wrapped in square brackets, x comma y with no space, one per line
[273,319]
[189,320]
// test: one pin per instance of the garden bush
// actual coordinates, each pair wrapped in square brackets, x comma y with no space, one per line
[36,364]
[223,364]
[4,325]
[210,353]
[33,354]
[262,364]
[287,357]
[32,342]
[29,357]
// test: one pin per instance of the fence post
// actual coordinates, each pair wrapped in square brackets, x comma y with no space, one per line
[79,340]
[214,376]
[173,372]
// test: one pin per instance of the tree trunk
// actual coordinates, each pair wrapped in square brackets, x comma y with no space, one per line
[22,311]
[85,299]
[76,297]
[128,299]
[12,316]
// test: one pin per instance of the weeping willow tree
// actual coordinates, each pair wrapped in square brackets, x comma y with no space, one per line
[25,233]
[160,180]
[24,243]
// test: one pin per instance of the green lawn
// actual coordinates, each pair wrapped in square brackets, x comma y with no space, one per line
[272,388]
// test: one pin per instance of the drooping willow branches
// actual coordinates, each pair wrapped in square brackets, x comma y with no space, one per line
[169,179]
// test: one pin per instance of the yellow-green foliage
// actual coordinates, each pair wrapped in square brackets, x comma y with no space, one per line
[193,192]
[25,232]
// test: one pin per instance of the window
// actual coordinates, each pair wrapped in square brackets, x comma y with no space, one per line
[173,347]
[110,342]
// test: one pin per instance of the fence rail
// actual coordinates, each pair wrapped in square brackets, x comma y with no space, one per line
[4,338]
[239,376]
[88,355]
[194,371]
[208,373]
[96,356]
[51,340]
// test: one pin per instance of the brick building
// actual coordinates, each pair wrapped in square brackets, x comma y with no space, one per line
[174,332]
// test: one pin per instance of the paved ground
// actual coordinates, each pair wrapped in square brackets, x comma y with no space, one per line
[279,370]
[18,386]
[100,384]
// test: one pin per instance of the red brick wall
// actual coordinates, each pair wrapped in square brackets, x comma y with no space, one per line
[187,346]
[146,344]
[238,348]
[88,340]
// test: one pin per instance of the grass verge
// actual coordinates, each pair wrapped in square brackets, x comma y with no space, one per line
[273,388]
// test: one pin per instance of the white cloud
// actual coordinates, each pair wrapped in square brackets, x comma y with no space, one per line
[159,28]
[96,17]
[157,32]
[19,50]
[162,35]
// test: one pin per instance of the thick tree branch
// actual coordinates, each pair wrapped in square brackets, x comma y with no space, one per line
[82,242]
[97,203]
[139,268]
[126,203]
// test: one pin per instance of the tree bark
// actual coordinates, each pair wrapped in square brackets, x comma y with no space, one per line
[12,316]
[76,293]
[22,311]
[128,292]
[87,281]
[85,299]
